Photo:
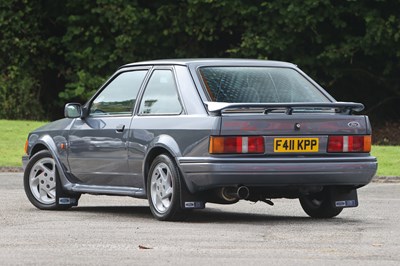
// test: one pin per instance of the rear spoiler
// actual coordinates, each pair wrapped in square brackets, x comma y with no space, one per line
[217,108]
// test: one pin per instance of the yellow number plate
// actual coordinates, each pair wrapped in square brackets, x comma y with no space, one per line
[296,144]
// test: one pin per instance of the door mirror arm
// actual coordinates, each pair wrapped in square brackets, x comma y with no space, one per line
[84,112]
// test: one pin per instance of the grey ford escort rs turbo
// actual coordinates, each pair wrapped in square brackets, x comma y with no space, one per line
[185,132]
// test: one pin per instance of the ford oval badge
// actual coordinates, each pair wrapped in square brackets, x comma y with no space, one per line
[354,124]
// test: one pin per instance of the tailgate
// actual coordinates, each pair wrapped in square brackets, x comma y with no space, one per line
[295,133]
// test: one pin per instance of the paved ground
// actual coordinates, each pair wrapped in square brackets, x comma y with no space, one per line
[116,230]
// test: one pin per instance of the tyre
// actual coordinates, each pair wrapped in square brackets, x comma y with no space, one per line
[40,181]
[163,189]
[319,205]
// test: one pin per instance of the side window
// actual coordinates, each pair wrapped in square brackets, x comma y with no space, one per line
[160,96]
[120,95]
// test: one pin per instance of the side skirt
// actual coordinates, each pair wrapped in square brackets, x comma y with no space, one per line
[109,190]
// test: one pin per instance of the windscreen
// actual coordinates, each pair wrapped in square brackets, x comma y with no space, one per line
[258,85]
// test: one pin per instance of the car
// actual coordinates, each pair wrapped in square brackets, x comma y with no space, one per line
[185,132]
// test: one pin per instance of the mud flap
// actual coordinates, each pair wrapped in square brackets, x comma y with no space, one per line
[64,198]
[343,197]
[189,200]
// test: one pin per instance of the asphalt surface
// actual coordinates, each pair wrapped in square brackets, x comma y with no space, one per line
[121,231]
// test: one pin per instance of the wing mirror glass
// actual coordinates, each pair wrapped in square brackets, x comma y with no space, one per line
[73,110]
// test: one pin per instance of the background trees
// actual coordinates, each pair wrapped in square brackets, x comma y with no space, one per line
[57,51]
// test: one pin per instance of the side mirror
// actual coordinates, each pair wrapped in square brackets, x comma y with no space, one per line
[73,110]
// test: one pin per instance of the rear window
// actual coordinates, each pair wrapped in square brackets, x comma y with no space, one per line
[258,85]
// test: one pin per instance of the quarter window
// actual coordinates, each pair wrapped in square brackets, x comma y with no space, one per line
[160,96]
[119,97]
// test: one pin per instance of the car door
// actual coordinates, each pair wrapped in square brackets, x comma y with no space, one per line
[159,113]
[97,153]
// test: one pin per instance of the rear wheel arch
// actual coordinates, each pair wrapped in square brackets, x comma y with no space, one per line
[164,188]
[154,152]
[319,205]
[162,144]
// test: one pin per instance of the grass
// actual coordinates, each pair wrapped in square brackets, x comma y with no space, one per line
[388,160]
[13,135]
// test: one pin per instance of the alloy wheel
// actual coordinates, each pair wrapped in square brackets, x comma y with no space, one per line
[161,189]
[42,180]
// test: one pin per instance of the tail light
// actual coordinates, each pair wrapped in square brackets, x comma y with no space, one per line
[236,144]
[349,143]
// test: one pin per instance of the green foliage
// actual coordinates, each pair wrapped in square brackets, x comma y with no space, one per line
[20,48]
[57,51]
[99,37]
[351,47]
[17,95]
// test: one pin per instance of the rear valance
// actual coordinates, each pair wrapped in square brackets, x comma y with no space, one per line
[217,108]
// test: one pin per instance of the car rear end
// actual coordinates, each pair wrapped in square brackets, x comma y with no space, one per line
[280,135]
[279,149]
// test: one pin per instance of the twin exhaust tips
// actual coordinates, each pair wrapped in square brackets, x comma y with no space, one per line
[232,194]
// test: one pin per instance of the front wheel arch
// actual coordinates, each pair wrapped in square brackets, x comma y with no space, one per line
[40,181]
[37,148]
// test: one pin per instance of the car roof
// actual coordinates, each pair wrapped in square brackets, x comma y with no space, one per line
[195,62]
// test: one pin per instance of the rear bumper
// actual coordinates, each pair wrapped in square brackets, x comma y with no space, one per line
[207,173]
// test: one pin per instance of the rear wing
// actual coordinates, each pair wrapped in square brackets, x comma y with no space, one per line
[217,108]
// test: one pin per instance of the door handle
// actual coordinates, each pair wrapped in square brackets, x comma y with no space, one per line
[120,128]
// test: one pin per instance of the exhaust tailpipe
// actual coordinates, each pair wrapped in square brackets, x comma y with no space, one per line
[243,192]
[232,194]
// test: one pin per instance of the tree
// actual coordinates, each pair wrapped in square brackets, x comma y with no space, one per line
[351,47]
[57,51]
[20,54]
